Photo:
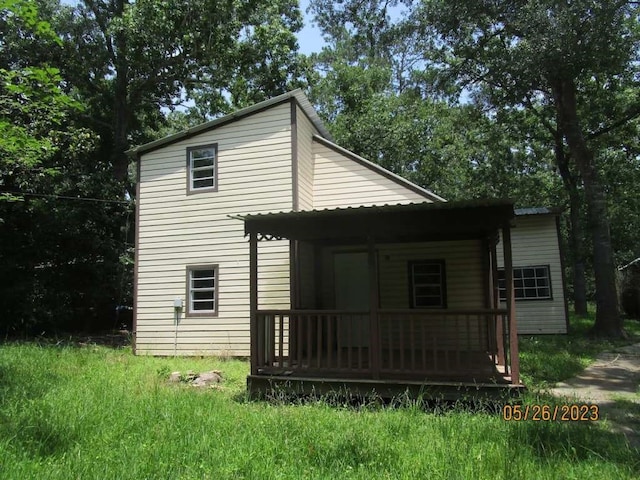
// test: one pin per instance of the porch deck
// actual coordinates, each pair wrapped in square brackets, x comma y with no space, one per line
[450,365]
[316,350]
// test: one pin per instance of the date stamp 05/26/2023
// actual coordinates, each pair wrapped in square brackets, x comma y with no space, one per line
[575,412]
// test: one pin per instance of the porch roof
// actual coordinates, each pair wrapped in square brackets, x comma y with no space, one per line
[415,221]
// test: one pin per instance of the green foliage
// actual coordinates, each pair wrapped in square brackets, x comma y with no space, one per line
[132,424]
[26,13]
[33,107]
[69,241]
[61,252]
[375,91]
[267,55]
[521,46]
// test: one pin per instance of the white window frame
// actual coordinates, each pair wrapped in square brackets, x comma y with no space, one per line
[212,291]
[212,168]
[414,284]
[522,284]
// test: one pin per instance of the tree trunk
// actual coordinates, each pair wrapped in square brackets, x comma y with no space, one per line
[608,320]
[579,274]
[575,226]
[119,159]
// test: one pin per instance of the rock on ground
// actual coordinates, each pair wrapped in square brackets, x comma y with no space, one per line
[203,379]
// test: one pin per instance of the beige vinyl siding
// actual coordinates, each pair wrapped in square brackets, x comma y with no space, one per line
[177,230]
[305,130]
[534,241]
[339,181]
[464,280]
[464,288]
[463,267]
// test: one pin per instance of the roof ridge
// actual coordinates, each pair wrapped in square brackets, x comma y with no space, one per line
[296,94]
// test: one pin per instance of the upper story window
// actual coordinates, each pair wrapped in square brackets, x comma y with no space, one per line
[202,168]
[529,283]
[427,285]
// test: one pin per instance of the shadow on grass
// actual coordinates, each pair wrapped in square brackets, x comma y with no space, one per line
[24,426]
[629,406]
[573,441]
[116,339]
[36,437]
[19,384]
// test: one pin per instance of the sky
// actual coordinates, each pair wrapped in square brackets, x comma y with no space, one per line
[309,38]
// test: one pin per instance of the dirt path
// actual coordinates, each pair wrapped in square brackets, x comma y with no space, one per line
[612,382]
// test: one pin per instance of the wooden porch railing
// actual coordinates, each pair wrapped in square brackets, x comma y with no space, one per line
[412,343]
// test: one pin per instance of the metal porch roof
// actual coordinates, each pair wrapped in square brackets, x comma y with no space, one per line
[439,220]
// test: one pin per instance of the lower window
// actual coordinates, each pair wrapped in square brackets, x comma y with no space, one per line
[427,286]
[202,290]
[529,283]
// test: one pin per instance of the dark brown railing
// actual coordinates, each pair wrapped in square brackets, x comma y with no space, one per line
[442,342]
[408,343]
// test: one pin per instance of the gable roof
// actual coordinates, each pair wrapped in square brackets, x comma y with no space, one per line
[297,95]
[380,170]
[303,102]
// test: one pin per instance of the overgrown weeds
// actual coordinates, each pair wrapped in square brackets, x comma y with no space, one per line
[73,412]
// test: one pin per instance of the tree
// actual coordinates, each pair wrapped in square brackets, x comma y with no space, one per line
[547,50]
[375,91]
[57,256]
[131,59]
[69,241]
[33,107]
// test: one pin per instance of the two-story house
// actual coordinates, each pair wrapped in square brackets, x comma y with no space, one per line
[257,235]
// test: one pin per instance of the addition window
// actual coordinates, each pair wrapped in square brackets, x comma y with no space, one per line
[202,168]
[529,283]
[202,290]
[427,285]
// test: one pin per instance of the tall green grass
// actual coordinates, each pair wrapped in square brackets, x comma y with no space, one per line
[98,413]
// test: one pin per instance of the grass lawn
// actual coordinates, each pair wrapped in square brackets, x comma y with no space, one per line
[98,413]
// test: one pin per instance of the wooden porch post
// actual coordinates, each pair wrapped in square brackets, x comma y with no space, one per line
[496,301]
[253,300]
[374,321]
[294,274]
[487,276]
[317,276]
[511,308]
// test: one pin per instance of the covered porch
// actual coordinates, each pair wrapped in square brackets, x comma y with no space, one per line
[387,298]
